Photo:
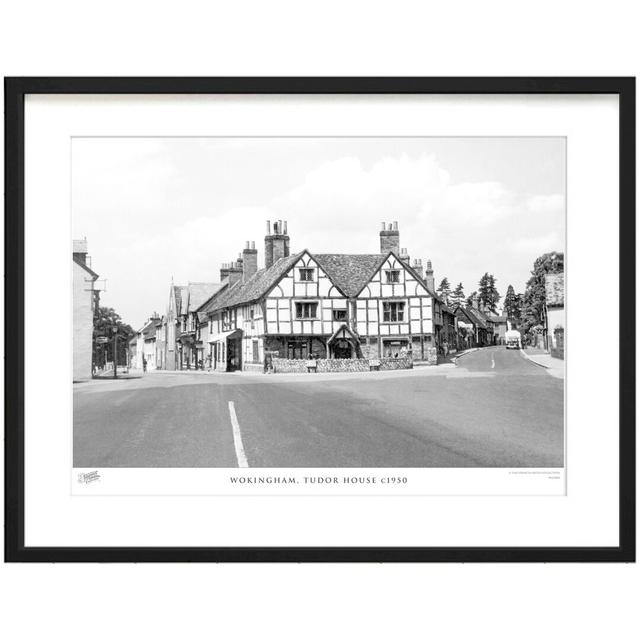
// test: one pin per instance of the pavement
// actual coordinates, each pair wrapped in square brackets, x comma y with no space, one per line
[554,366]
[493,409]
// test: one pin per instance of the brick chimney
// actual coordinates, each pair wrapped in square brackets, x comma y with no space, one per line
[417,267]
[404,256]
[390,238]
[276,244]
[249,261]
[428,276]
[235,271]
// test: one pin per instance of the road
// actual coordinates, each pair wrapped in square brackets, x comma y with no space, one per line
[494,409]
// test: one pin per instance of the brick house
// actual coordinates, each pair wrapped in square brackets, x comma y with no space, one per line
[85,306]
[325,306]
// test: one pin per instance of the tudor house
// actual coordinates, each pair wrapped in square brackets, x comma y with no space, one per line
[306,305]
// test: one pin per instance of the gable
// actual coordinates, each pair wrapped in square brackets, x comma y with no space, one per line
[305,278]
[394,278]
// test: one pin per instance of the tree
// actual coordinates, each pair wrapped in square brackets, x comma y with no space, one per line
[458,294]
[471,299]
[444,289]
[104,322]
[512,304]
[488,295]
[532,313]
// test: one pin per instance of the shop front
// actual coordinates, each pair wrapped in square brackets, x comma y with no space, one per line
[226,350]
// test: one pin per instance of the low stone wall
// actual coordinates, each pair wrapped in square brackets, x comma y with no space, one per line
[253,367]
[283,365]
[391,364]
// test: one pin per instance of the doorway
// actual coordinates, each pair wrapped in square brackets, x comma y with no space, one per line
[342,349]
[234,355]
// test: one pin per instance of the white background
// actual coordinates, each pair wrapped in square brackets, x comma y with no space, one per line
[586,516]
[332,38]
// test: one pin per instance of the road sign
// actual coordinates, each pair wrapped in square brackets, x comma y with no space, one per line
[102,339]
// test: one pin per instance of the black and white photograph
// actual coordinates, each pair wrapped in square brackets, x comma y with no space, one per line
[318,302]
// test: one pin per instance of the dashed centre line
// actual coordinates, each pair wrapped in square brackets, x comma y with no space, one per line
[237,437]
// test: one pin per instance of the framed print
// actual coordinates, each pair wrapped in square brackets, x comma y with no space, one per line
[320,319]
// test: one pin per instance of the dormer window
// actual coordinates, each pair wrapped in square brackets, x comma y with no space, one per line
[393,276]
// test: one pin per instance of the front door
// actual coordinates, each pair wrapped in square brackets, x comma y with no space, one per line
[234,353]
[342,349]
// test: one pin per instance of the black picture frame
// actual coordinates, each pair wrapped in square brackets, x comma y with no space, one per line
[15,91]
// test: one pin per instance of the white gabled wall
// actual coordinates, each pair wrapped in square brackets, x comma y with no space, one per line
[418,309]
[281,302]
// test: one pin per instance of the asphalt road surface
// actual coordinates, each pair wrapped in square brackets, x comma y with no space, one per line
[494,409]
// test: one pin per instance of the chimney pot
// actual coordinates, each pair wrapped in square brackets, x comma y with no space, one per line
[268,227]
[285,227]
[253,245]
[395,226]
[384,226]
[247,245]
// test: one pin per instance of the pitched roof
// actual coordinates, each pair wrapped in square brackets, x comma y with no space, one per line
[180,294]
[257,286]
[458,308]
[79,262]
[478,315]
[208,304]
[198,293]
[350,272]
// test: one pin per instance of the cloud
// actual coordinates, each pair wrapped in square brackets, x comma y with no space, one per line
[172,221]
[536,244]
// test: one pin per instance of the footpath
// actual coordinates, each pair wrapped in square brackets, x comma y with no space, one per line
[553,366]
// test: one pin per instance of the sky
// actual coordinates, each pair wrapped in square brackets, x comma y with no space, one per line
[153,209]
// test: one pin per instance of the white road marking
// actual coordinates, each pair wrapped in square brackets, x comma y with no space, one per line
[237,437]
[493,362]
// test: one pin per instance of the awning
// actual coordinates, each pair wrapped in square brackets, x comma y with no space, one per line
[219,337]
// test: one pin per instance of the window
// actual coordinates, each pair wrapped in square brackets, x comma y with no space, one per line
[256,353]
[393,276]
[306,310]
[339,314]
[393,311]
[252,314]
[306,275]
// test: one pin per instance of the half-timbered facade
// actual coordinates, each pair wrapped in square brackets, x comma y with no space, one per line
[310,305]
[394,311]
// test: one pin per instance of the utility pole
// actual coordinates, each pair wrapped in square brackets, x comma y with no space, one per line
[115,352]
